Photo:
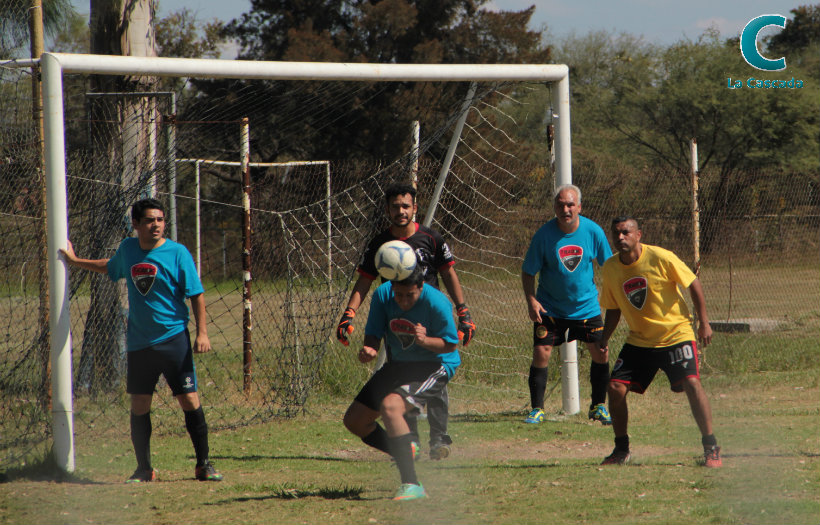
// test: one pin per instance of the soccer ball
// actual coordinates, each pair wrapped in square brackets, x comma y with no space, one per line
[395,260]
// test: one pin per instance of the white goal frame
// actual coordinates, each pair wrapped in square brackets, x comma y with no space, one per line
[54,65]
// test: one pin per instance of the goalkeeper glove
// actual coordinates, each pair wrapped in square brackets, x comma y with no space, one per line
[466,326]
[345,326]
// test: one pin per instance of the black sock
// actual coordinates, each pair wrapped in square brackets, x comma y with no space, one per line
[198,430]
[622,443]
[141,438]
[538,385]
[377,439]
[402,452]
[599,380]
[413,425]
[709,441]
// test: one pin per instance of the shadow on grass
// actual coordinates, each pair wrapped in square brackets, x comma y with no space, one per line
[495,417]
[44,470]
[290,492]
[257,457]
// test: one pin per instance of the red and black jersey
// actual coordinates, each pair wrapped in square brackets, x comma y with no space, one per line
[431,252]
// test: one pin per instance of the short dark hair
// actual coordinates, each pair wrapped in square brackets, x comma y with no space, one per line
[414,279]
[623,218]
[399,188]
[139,207]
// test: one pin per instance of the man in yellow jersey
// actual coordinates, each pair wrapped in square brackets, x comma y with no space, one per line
[641,283]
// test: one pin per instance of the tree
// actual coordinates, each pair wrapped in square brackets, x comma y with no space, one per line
[178,35]
[121,131]
[800,33]
[14,23]
[388,31]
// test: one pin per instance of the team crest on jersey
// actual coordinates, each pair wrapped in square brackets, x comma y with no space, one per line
[143,275]
[405,331]
[570,256]
[635,290]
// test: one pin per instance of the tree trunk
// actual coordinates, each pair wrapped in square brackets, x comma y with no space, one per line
[122,135]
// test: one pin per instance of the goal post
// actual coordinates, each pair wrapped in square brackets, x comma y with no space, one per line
[55,65]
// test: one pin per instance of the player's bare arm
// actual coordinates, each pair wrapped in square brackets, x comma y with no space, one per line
[699,301]
[452,284]
[202,344]
[534,308]
[610,324]
[370,349]
[359,293]
[94,265]
[434,344]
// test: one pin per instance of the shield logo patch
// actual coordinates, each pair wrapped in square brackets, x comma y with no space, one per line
[635,290]
[404,330]
[570,256]
[143,275]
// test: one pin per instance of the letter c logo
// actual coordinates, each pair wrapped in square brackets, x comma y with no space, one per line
[748,43]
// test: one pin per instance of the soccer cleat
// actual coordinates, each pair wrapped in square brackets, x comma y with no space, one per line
[711,457]
[207,472]
[536,416]
[618,457]
[600,413]
[143,476]
[439,451]
[409,491]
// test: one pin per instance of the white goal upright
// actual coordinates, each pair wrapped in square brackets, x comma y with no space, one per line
[55,65]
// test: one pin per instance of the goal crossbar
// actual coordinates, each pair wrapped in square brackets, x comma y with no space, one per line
[54,65]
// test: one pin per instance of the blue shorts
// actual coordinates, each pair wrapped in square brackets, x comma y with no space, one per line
[172,358]
[636,366]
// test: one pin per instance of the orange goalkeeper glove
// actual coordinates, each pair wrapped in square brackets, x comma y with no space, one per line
[466,326]
[345,326]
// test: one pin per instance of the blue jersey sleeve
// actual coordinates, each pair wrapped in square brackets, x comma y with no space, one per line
[188,278]
[377,317]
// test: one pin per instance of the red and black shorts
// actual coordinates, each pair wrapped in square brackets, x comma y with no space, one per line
[553,331]
[172,358]
[636,366]
[416,381]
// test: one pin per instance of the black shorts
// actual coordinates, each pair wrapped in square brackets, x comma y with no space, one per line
[172,358]
[636,366]
[550,331]
[415,381]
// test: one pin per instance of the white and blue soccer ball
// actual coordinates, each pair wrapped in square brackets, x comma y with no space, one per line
[395,260]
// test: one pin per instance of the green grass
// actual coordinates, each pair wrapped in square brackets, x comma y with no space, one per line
[310,470]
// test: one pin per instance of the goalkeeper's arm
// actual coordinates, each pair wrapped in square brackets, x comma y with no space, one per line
[358,295]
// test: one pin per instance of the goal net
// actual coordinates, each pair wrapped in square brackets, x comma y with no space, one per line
[272,174]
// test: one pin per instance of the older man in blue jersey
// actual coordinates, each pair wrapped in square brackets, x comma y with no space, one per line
[565,305]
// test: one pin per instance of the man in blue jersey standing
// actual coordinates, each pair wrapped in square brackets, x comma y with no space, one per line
[565,305]
[415,321]
[160,274]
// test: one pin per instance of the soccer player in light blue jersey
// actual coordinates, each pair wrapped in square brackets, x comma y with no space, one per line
[561,253]
[415,321]
[160,275]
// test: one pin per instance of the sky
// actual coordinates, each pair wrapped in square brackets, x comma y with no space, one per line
[657,21]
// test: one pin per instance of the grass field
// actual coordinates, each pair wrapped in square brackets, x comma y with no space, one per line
[310,470]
